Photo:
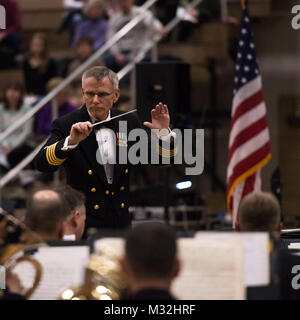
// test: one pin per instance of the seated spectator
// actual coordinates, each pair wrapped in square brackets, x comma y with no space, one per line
[46,214]
[111,7]
[150,261]
[73,15]
[38,68]
[205,12]
[259,211]
[84,49]
[17,145]
[10,37]
[129,45]
[166,9]
[94,25]
[74,225]
[44,118]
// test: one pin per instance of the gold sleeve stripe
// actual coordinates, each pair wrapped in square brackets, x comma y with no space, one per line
[51,157]
[167,153]
[55,159]
[50,154]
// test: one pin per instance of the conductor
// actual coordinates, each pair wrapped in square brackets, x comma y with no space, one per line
[75,144]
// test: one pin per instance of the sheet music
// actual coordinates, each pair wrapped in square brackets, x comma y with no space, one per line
[256,246]
[294,245]
[116,245]
[210,271]
[62,267]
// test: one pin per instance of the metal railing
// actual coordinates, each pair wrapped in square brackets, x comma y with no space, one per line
[150,44]
[78,71]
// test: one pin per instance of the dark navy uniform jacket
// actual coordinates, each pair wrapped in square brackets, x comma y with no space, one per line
[106,204]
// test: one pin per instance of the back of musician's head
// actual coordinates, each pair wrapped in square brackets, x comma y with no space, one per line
[75,201]
[151,250]
[45,214]
[259,211]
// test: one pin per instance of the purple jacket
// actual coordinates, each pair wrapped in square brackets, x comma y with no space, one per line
[44,118]
[95,29]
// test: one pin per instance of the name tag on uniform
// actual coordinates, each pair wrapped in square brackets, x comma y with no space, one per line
[121,139]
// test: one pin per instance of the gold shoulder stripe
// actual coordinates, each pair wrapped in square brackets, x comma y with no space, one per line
[51,157]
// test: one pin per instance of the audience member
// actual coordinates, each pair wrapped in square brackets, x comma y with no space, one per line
[44,118]
[259,211]
[75,200]
[73,15]
[94,25]
[84,49]
[10,37]
[111,7]
[206,11]
[165,9]
[17,145]
[38,67]
[150,261]
[129,45]
[46,214]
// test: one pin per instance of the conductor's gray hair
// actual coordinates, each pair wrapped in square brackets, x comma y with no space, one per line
[101,72]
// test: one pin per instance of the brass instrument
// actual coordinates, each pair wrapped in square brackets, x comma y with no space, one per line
[14,239]
[104,279]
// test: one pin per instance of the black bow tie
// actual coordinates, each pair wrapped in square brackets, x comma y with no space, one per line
[111,124]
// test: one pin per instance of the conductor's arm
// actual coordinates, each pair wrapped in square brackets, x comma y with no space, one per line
[54,153]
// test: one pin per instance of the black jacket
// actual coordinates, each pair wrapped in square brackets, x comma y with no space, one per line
[106,205]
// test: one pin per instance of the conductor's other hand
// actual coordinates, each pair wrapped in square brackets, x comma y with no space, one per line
[79,132]
[160,117]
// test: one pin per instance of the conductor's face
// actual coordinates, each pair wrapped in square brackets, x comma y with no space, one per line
[99,96]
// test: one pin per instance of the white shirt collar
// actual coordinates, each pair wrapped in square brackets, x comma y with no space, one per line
[93,119]
[69,237]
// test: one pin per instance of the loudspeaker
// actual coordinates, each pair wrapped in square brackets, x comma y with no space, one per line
[167,82]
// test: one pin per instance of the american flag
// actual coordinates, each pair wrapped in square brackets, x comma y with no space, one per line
[249,141]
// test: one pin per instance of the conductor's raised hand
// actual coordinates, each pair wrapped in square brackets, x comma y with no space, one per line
[160,117]
[79,132]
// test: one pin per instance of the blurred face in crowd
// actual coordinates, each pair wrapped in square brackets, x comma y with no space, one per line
[84,50]
[95,11]
[13,96]
[99,96]
[37,46]
[61,98]
[126,5]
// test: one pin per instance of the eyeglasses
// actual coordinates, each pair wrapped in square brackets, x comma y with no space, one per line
[91,95]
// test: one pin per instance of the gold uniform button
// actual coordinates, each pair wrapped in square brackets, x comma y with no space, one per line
[93,190]
[107,192]
[90,172]
[122,205]
[96,207]
[122,188]
[126,171]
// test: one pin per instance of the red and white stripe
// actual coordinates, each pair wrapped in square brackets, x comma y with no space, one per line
[249,144]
